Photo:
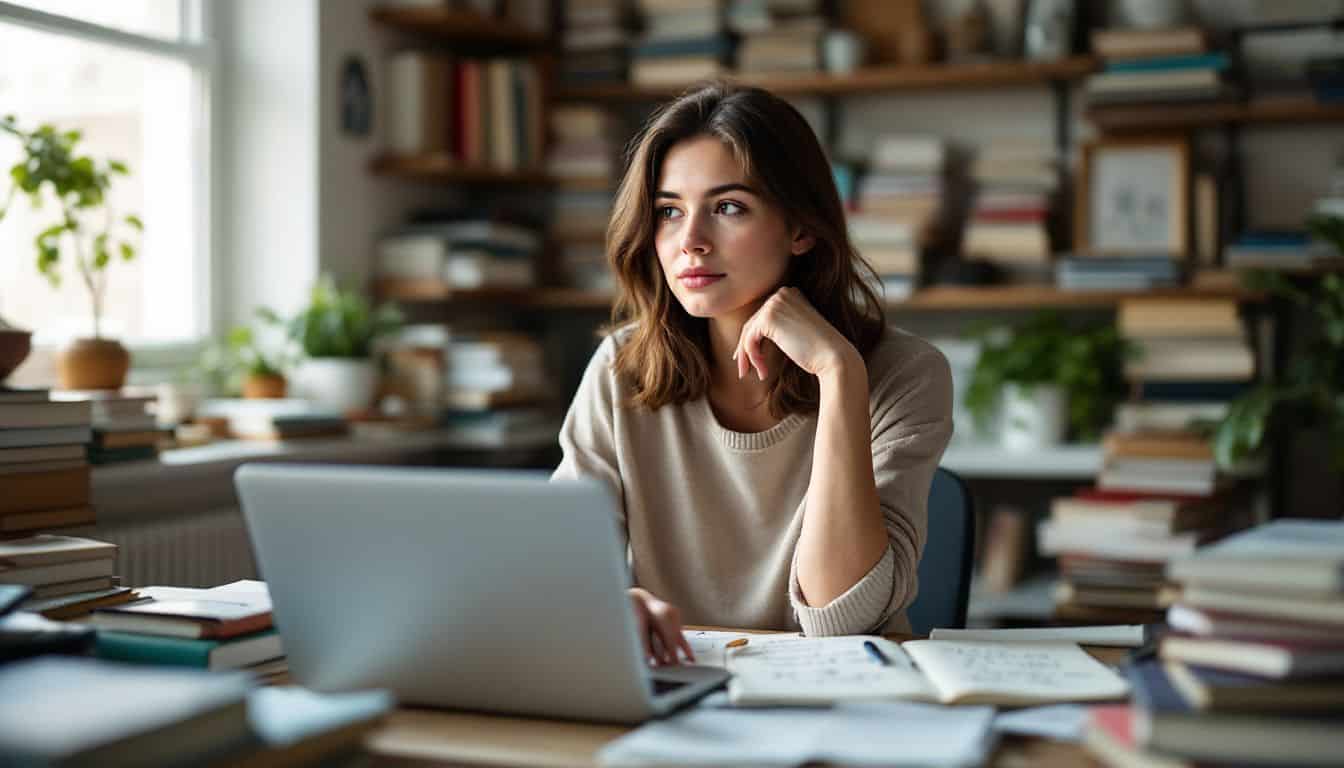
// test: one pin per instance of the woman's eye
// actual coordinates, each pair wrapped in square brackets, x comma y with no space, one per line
[730,208]
[668,212]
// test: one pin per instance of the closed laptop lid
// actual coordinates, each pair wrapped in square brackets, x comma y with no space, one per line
[491,590]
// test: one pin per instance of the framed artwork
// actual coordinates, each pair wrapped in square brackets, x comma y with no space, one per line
[1133,198]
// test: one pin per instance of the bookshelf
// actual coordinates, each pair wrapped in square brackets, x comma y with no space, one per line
[868,80]
[936,298]
[450,25]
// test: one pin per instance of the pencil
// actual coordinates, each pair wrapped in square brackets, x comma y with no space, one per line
[738,643]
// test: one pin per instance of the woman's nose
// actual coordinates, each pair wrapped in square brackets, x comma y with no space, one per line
[694,239]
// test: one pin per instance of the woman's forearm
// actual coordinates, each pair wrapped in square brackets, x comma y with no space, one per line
[842,536]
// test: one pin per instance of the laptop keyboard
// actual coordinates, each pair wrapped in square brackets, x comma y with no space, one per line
[664,686]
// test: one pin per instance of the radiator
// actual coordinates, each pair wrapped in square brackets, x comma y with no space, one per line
[203,549]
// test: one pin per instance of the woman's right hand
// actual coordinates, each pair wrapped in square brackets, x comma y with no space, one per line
[659,629]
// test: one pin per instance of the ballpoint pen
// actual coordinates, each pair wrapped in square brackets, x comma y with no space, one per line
[876,653]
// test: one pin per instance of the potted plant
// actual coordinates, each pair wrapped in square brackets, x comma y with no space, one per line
[85,230]
[1041,376]
[1309,397]
[336,333]
[237,364]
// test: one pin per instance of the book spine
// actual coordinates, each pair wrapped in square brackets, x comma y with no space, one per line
[151,649]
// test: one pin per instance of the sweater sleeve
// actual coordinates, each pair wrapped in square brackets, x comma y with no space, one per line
[911,412]
[588,435]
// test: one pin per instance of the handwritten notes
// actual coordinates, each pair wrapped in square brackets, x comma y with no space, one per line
[1014,673]
[820,671]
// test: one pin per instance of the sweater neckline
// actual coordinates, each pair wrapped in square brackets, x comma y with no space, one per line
[748,441]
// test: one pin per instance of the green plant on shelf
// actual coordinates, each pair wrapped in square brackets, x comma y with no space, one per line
[1311,392]
[1087,364]
[225,362]
[337,323]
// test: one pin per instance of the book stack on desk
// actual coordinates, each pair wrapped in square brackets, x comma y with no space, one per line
[69,576]
[1253,670]
[226,627]
[43,462]
[84,712]
[123,427]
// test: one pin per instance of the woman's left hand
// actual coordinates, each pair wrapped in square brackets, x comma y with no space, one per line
[790,321]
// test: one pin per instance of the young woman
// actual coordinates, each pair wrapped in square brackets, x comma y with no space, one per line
[769,442]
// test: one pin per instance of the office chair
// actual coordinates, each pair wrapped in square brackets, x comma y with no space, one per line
[945,568]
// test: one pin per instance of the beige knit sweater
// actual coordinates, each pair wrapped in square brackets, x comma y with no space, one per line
[712,516]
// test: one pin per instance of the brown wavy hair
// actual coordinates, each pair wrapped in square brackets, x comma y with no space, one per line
[666,359]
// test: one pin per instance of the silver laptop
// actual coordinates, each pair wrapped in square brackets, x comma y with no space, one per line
[488,590]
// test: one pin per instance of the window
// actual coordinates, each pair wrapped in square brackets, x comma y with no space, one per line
[134,77]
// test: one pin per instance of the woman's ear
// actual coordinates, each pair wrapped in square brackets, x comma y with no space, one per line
[802,242]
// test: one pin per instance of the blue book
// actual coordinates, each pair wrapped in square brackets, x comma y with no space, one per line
[1271,239]
[715,45]
[1214,61]
[1192,391]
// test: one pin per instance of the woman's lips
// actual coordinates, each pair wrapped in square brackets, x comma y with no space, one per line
[700,280]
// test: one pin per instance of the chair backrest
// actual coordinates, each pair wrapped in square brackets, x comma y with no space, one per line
[945,568]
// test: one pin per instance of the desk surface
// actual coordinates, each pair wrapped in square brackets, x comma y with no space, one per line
[462,738]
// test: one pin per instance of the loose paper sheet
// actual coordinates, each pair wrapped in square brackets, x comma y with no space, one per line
[1008,673]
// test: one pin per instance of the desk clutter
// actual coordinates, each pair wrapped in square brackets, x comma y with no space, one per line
[1248,669]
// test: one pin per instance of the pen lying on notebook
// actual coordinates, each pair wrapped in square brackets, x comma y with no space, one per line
[876,653]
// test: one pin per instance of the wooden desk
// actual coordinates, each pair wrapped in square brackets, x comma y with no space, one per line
[439,737]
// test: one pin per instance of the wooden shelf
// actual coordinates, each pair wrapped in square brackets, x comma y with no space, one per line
[869,80]
[442,167]
[551,298]
[956,297]
[1148,117]
[937,298]
[461,27]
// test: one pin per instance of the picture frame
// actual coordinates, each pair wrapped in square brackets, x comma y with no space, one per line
[1133,197]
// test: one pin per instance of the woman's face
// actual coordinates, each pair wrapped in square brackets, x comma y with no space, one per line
[722,247]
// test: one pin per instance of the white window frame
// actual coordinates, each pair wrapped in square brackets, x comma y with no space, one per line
[197,48]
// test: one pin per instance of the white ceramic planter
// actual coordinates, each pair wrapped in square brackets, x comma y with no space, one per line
[337,383]
[1034,420]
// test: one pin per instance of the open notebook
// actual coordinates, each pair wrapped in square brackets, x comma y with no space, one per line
[791,670]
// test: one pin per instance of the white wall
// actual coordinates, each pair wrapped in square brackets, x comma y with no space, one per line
[268,150]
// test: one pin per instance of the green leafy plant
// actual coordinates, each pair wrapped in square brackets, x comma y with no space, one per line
[338,323]
[1312,388]
[85,228]
[1086,364]
[225,362]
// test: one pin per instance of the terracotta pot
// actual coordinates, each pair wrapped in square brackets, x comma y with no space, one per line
[93,364]
[264,386]
[14,348]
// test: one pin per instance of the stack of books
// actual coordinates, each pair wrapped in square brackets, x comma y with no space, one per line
[1117,273]
[683,41]
[898,203]
[469,112]
[123,427]
[1284,250]
[1252,672]
[90,712]
[69,576]
[596,43]
[494,371]
[44,467]
[1113,548]
[1009,225]
[225,627]
[1190,356]
[1157,66]
[466,253]
[584,143]
[777,35]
